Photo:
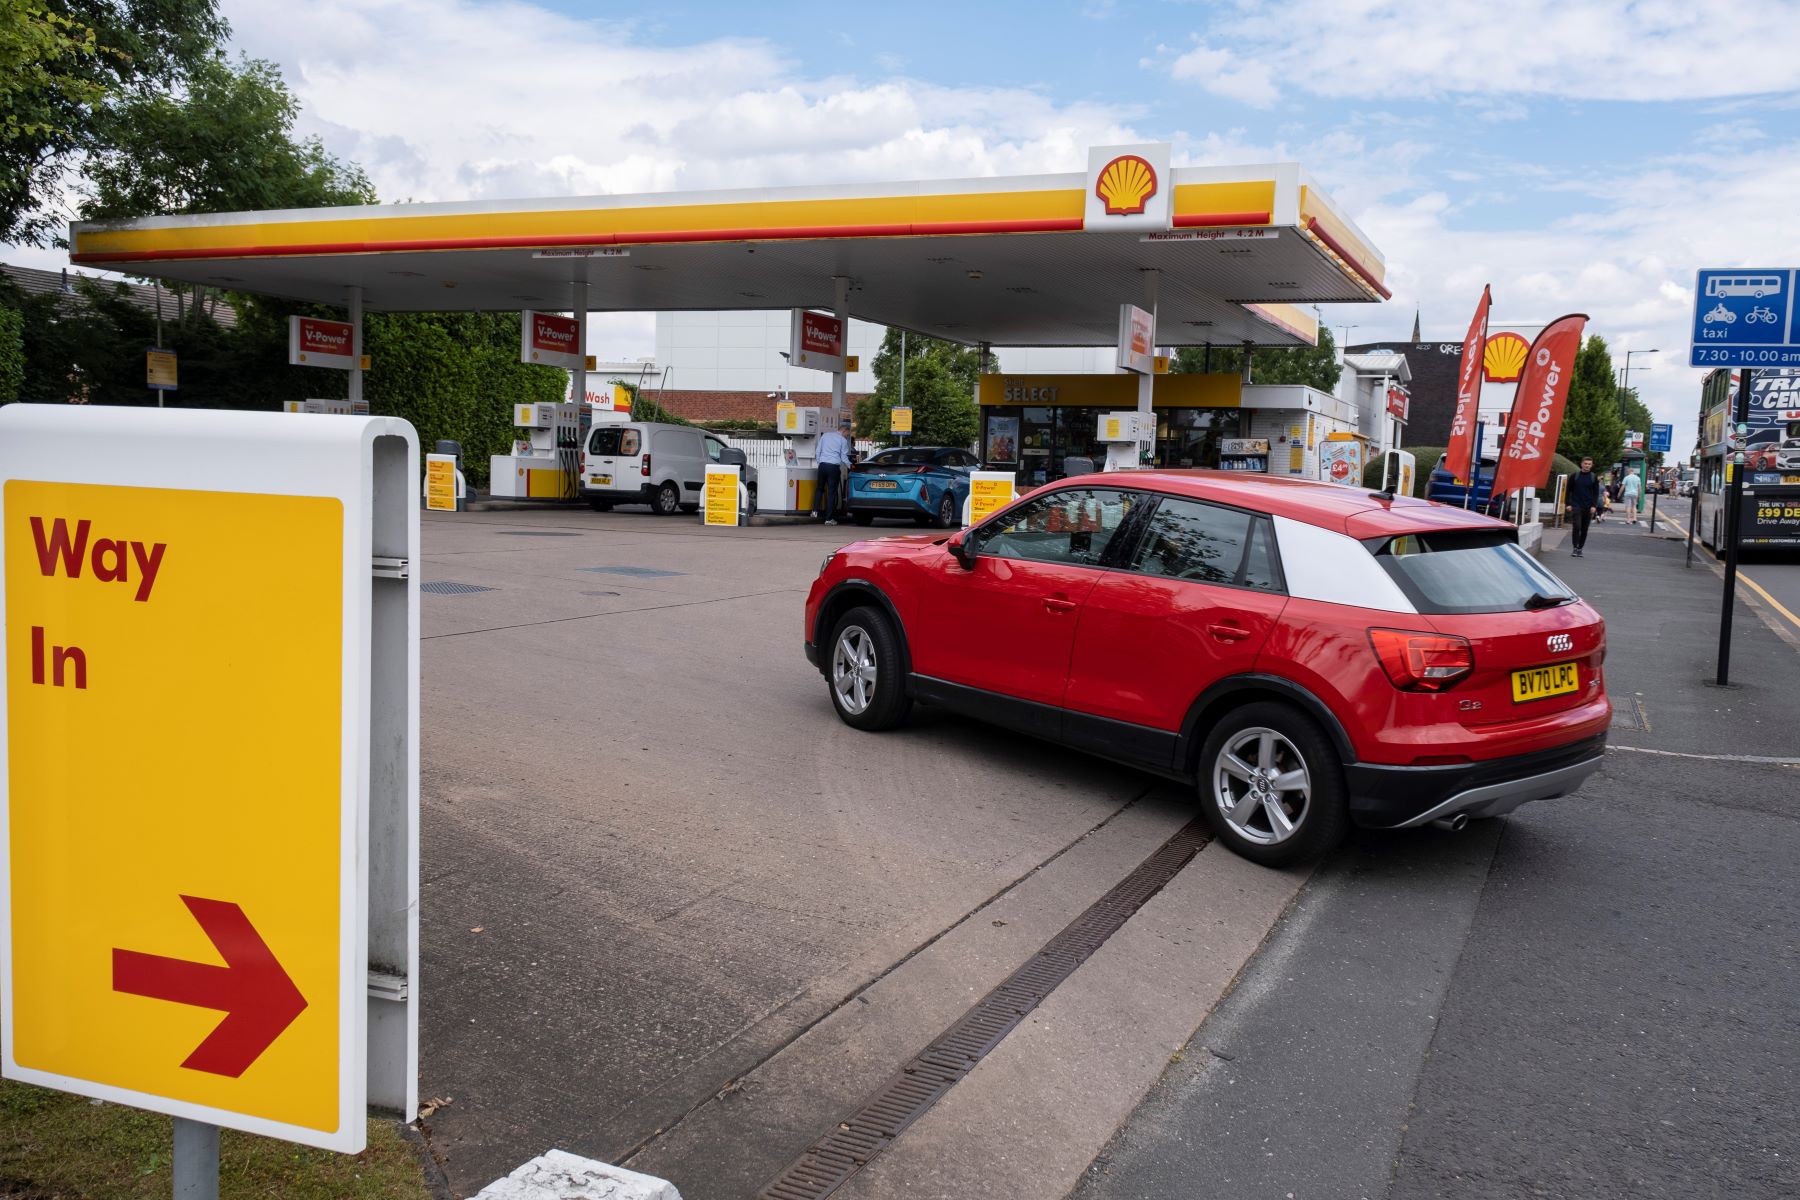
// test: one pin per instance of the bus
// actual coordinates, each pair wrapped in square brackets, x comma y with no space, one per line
[1771,513]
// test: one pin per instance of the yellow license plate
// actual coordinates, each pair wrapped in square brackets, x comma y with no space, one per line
[603,480]
[887,484]
[1540,682]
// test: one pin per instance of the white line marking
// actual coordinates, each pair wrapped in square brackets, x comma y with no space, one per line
[1743,758]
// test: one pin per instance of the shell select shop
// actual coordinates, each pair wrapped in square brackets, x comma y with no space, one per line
[1035,424]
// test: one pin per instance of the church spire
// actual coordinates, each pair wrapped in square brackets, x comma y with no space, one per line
[1415,340]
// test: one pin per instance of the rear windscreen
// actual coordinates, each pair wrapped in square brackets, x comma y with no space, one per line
[903,458]
[1468,571]
[613,441]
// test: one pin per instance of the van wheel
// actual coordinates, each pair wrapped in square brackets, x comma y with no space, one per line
[667,501]
[600,505]
[862,670]
[1272,785]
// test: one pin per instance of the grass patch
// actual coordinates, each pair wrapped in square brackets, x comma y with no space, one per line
[54,1146]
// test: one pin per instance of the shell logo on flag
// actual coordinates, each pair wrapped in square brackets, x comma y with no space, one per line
[1125,185]
[1504,357]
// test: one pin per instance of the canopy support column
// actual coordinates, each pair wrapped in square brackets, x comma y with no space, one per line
[1147,381]
[356,342]
[840,307]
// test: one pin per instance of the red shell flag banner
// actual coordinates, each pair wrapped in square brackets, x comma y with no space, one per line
[1537,414]
[1460,458]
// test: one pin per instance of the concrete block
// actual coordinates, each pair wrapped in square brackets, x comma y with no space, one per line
[1531,536]
[559,1175]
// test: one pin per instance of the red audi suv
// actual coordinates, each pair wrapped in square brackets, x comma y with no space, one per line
[1307,655]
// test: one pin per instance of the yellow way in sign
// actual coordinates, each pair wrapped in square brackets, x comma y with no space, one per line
[176,792]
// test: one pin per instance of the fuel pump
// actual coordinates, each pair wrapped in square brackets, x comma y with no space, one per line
[545,463]
[1124,433]
[793,487]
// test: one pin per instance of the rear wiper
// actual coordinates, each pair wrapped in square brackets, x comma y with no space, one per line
[1538,600]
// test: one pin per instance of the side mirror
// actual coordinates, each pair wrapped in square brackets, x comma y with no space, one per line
[960,550]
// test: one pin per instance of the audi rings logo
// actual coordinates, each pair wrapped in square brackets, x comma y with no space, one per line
[1561,643]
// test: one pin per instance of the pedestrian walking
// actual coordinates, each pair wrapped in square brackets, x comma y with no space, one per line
[1584,504]
[1631,488]
[834,460]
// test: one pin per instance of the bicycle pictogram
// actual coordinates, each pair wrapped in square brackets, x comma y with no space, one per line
[1761,314]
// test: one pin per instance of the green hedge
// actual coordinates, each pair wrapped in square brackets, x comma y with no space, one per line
[12,353]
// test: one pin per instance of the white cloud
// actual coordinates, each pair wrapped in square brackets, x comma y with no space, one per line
[454,99]
[1628,263]
[1584,49]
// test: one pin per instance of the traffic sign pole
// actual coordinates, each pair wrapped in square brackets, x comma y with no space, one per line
[196,1163]
[1734,501]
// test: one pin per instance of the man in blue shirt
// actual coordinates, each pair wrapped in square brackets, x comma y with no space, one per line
[834,460]
[1584,504]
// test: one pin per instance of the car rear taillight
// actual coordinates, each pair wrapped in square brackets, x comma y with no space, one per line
[645,472]
[1422,662]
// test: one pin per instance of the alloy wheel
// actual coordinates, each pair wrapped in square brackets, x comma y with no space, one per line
[853,669]
[1261,785]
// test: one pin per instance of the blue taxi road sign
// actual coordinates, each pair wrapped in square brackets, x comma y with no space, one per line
[1662,438]
[1746,317]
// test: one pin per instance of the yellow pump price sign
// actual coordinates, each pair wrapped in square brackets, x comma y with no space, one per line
[721,497]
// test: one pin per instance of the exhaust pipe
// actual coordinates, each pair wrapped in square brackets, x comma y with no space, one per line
[1453,824]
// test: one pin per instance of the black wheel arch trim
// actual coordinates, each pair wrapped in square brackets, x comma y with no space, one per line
[863,589]
[1192,735]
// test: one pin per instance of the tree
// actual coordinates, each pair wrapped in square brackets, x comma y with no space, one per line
[226,144]
[63,64]
[1592,426]
[1636,415]
[12,353]
[941,378]
[1315,366]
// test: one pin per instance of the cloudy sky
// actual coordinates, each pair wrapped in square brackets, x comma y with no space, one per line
[1579,155]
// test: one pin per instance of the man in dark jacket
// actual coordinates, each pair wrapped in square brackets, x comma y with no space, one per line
[1584,504]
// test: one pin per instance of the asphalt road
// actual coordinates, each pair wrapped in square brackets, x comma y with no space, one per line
[674,912]
[1593,997]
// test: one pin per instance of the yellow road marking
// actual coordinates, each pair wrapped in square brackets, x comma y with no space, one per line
[1744,575]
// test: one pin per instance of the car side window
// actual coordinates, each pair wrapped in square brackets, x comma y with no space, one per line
[1073,526]
[714,447]
[1204,543]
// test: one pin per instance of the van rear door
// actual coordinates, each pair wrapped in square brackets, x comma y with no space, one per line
[612,459]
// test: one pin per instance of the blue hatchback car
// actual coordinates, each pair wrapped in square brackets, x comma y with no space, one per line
[926,483]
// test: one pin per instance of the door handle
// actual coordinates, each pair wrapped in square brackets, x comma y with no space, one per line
[1228,633]
[1057,604]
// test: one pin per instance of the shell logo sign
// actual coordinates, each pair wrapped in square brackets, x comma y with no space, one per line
[1126,185]
[1504,358]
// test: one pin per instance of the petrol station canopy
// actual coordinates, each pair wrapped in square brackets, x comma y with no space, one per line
[1039,260]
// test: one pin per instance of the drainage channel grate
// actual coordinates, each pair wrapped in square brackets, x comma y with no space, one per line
[834,1158]
[636,572]
[444,587]
[1631,715]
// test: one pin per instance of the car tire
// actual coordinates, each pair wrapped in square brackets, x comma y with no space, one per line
[1257,815]
[600,505]
[862,518]
[863,673]
[667,500]
[948,515]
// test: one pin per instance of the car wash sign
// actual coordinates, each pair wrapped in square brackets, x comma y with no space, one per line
[1746,317]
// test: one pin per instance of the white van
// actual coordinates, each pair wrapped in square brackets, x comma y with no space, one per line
[644,462]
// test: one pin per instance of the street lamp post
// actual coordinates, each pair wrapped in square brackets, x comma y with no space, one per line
[1624,391]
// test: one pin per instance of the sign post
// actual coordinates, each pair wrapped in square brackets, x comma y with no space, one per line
[1746,318]
[230,935]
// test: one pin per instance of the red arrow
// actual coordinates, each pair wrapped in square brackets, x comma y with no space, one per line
[251,989]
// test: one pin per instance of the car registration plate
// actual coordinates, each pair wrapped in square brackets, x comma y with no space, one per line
[603,480]
[1540,682]
[884,485]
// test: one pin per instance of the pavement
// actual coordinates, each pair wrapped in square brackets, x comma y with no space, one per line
[1593,997]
